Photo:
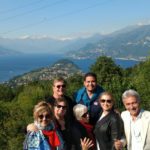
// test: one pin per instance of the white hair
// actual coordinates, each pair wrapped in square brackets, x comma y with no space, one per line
[129,93]
[79,110]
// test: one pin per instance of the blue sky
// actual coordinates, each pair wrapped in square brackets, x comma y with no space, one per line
[66,18]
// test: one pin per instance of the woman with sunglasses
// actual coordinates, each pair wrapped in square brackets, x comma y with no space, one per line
[109,127]
[62,121]
[47,137]
[82,130]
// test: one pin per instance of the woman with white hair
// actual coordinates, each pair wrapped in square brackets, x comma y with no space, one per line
[81,129]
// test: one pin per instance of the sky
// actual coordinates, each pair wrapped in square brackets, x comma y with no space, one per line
[69,18]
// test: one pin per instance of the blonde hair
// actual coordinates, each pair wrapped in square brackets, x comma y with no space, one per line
[43,107]
[107,93]
[59,79]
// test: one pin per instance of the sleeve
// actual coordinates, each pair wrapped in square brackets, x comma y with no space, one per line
[117,128]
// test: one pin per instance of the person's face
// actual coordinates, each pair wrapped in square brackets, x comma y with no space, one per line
[132,105]
[60,109]
[59,88]
[44,119]
[90,83]
[85,117]
[106,102]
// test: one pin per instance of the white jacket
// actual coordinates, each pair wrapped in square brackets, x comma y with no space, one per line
[145,133]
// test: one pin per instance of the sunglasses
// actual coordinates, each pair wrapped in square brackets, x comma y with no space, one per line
[85,115]
[109,101]
[59,86]
[44,116]
[60,106]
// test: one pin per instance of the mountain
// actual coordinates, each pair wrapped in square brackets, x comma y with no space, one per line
[64,68]
[129,43]
[47,44]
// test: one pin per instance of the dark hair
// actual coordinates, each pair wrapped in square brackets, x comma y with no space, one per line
[62,99]
[90,74]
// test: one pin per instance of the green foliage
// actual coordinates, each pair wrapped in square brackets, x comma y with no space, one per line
[74,83]
[29,97]
[6,93]
[141,80]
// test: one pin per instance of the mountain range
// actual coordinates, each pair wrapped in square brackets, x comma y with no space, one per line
[128,43]
[132,42]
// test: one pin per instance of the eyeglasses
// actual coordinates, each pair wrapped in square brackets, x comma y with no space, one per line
[59,86]
[60,106]
[85,115]
[109,101]
[44,116]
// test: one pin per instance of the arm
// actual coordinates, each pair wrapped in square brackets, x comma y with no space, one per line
[117,132]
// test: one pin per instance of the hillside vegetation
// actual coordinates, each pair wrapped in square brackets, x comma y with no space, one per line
[16,104]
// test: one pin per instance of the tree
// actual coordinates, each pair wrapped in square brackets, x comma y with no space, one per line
[141,80]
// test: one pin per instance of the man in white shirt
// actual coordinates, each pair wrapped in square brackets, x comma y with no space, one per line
[136,122]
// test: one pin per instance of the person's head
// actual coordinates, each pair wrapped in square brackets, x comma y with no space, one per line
[131,101]
[81,113]
[106,101]
[60,108]
[59,87]
[90,81]
[43,113]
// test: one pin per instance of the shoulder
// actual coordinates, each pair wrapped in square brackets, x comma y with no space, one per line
[146,114]
[99,89]
[125,114]
[115,116]
[81,90]
[50,100]
[78,94]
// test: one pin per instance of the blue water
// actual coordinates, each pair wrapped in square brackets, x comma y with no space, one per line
[11,66]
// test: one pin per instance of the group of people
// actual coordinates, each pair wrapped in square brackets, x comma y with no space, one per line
[89,121]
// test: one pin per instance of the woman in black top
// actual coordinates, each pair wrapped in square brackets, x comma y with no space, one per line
[109,127]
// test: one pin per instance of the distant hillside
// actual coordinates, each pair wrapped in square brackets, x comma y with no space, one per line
[47,44]
[129,43]
[5,51]
[64,68]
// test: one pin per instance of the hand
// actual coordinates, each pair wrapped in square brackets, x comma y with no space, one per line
[31,127]
[86,143]
[118,144]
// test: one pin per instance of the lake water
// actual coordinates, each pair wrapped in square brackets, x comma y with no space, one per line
[11,66]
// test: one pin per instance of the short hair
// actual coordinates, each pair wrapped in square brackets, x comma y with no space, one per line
[79,110]
[129,93]
[42,107]
[90,74]
[59,79]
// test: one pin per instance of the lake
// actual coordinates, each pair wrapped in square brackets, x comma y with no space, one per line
[14,65]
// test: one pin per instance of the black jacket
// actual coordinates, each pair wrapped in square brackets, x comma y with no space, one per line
[78,132]
[108,129]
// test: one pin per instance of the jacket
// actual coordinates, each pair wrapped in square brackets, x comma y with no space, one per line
[81,97]
[145,133]
[108,129]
